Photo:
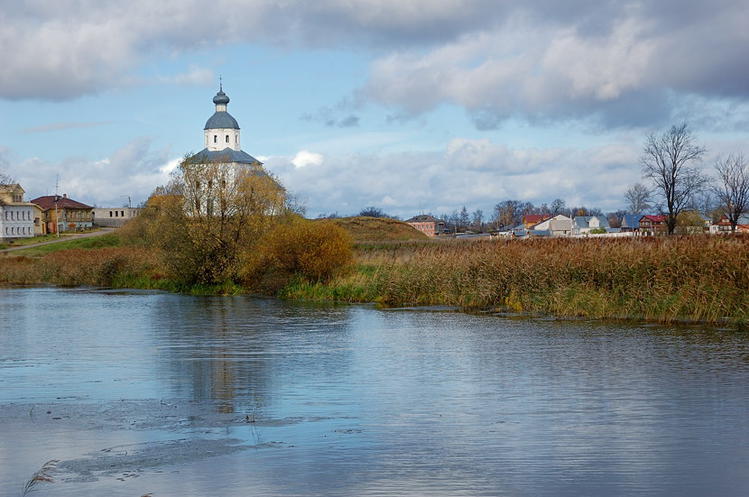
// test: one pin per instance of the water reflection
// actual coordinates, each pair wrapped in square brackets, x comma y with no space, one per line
[356,401]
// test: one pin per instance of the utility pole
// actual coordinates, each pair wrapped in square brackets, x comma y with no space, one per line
[57,212]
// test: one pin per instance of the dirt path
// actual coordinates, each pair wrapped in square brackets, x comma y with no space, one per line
[63,238]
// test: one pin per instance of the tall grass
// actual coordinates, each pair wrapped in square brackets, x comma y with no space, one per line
[662,279]
[667,279]
[108,266]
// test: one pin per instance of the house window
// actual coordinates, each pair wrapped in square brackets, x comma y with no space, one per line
[122,213]
[215,138]
[227,138]
[110,213]
[116,214]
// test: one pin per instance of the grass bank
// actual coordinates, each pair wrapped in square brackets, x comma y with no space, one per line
[657,279]
[108,240]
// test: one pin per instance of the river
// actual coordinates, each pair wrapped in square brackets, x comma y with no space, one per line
[140,393]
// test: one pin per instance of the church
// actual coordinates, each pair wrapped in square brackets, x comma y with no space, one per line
[221,138]
[212,174]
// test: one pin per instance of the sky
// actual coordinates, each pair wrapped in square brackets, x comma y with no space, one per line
[411,106]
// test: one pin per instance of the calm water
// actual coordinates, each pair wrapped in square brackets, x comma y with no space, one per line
[136,393]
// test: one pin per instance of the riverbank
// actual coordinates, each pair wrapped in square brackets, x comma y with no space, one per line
[672,279]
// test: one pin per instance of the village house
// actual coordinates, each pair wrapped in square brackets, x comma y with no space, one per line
[559,225]
[61,213]
[653,225]
[429,225]
[630,222]
[530,220]
[724,226]
[583,225]
[17,218]
[114,216]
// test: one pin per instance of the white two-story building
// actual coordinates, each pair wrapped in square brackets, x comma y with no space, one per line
[17,218]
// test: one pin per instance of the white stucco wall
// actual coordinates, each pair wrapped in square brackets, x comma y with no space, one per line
[114,216]
[16,221]
[221,143]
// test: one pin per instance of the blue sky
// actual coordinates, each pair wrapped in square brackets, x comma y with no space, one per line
[409,106]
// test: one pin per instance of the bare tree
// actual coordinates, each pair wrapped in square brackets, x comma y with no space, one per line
[507,213]
[639,198]
[477,220]
[372,211]
[733,188]
[558,206]
[667,160]
[463,219]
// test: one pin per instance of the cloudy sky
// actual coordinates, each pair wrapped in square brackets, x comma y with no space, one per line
[409,105]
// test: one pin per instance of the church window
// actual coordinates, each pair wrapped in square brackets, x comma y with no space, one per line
[215,138]
[122,213]
[110,213]
[227,138]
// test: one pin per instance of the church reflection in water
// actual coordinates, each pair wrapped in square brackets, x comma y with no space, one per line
[227,350]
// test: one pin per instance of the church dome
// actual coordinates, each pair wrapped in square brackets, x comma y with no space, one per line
[221,98]
[221,120]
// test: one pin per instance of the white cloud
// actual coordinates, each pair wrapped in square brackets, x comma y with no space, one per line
[475,173]
[194,76]
[305,158]
[134,170]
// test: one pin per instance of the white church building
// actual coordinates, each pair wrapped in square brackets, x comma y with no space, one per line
[221,137]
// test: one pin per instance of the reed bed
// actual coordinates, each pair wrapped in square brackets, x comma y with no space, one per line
[107,267]
[666,279]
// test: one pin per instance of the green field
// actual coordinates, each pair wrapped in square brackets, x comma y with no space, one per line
[109,240]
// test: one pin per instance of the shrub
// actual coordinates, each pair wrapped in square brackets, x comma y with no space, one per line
[313,251]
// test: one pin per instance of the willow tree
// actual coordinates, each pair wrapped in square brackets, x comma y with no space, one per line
[221,213]
[668,159]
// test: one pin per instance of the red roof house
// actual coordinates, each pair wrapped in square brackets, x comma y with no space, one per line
[653,225]
[63,213]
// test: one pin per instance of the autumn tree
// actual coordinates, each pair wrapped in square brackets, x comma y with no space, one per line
[668,160]
[208,219]
[732,189]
